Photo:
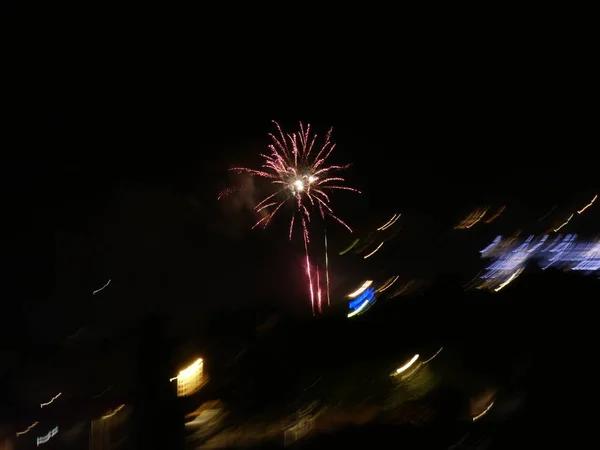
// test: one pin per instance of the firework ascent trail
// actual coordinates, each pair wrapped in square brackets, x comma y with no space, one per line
[299,172]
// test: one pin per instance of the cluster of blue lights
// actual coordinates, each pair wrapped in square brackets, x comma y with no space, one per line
[509,256]
[361,303]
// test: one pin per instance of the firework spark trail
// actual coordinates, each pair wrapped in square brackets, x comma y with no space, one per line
[319,294]
[310,285]
[300,172]
[327,269]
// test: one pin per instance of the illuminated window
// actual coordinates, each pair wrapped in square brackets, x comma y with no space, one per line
[189,380]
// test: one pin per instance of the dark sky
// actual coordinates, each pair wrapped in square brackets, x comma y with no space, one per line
[122,134]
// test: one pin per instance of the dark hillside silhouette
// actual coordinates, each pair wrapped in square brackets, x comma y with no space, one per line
[159,423]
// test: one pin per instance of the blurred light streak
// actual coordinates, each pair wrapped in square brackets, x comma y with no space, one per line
[406,289]
[319,295]
[228,191]
[492,245]
[495,216]
[510,279]
[28,429]
[367,299]
[189,380]
[434,356]
[407,366]
[103,392]
[509,258]
[360,309]
[343,252]
[310,283]
[565,223]
[102,288]
[51,401]
[389,223]
[547,214]
[44,439]
[361,298]
[483,413]
[588,205]
[374,251]
[538,245]
[327,268]
[314,384]
[472,219]
[113,413]
[388,284]
[361,289]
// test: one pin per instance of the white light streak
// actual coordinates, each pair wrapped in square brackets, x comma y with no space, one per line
[102,288]
[361,289]
[389,223]
[28,429]
[374,251]
[588,205]
[408,365]
[51,401]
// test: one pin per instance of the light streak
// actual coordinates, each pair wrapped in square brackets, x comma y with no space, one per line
[113,413]
[327,268]
[28,429]
[310,285]
[495,216]
[366,295]
[314,384]
[374,251]
[343,252]
[361,289]
[388,284]
[359,309]
[588,205]
[408,365]
[102,288]
[547,214]
[472,219]
[510,280]
[389,223]
[44,439]
[190,379]
[362,303]
[510,259]
[495,242]
[436,353]
[103,392]
[565,223]
[51,400]
[483,413]
[189,370]
[319,295]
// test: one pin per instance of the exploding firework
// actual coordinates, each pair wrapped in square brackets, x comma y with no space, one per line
[299,171]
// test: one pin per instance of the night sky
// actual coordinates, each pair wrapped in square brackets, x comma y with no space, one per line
[118,146]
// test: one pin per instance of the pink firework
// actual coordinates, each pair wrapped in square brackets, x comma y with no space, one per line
[300,173]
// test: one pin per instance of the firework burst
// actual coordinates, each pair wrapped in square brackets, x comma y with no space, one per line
[299,171]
